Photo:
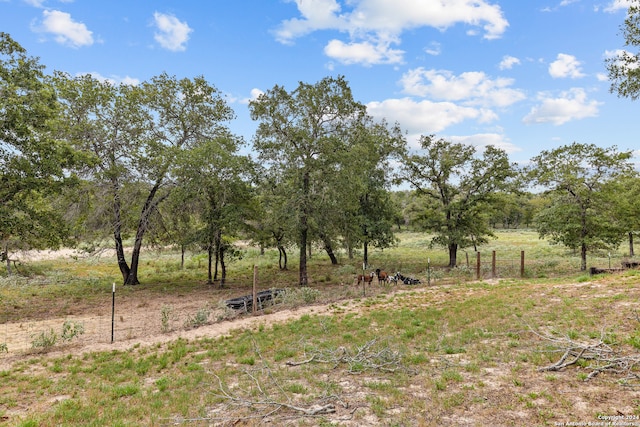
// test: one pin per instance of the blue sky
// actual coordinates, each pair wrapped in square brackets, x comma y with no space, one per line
[522,75]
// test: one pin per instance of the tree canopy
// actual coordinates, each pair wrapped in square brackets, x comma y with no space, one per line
[459,188]
[33,163]
[136,133]
[624,66]
[303,135]
[576,177]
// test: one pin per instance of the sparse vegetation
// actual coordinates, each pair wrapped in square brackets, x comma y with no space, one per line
[44,340]
[165,317]
[71,330]
[459,348]
[200,318]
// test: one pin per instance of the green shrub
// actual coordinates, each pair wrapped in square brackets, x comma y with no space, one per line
[71,330]
[199,319]
[45,339]
[165,313]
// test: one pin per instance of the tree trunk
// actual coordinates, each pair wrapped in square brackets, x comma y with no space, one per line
[631,253]
[117,234]
[303,279]
[282,259]
[329,250]
[583,247]
[365,250]
[182,250]
[304,231]
[216,251]
[4,256]
[143,224]
[332,256]
[282,253]
[583,257]
[223,268]
[453,255]
[209,263]
[132,278]
[216,245]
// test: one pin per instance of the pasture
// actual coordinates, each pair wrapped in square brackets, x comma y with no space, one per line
[452,350]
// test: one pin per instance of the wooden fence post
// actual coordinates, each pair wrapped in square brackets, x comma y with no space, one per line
[521,264]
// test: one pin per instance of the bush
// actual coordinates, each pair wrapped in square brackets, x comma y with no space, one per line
[166,315]
[199,319]
[297,296]
[71,330]
[45,339]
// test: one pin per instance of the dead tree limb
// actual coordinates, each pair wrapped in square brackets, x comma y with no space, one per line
[598,357]
[366,357]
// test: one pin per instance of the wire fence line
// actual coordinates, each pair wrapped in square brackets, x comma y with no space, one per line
[127,325]
[501,265]
[17,336]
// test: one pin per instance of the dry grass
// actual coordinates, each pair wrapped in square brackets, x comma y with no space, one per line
[453,353]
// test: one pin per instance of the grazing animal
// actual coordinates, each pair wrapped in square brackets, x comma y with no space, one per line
[407,280]
[365,278]
[383,276]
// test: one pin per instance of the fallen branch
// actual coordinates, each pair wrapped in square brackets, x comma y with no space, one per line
[366,357]
[260,396]
[599,357]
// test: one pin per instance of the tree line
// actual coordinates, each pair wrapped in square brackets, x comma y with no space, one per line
[81,159]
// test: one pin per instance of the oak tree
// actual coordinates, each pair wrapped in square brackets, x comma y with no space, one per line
[302,135]
[577,180]
[459,188]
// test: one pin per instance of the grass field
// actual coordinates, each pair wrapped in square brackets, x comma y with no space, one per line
[458,351]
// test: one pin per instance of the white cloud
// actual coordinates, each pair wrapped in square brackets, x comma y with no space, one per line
[65,30]
[624,59]
[565,66]
[570,105]
[35,3]
[364,53]
[434,49]
[482,140]
[316,15]
[376,22]
[114,80]
[425,117]
[472,88]
[254,94]
[172,33]
[508,62]
[617,5]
